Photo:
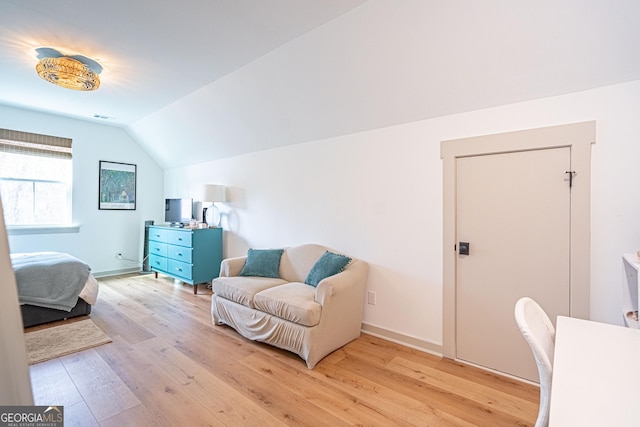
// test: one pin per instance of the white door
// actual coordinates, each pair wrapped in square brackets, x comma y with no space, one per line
[514,210]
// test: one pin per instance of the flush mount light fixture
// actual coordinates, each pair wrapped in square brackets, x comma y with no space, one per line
[72,72]
[69,73]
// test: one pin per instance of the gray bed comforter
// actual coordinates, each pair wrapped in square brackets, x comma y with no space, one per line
[49,279]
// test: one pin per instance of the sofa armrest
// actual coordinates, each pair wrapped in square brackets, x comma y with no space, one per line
[232,266]
[351,281]
[342,298]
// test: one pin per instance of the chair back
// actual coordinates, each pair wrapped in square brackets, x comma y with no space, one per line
[540,334]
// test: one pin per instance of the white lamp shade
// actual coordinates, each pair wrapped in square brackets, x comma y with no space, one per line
[213,193]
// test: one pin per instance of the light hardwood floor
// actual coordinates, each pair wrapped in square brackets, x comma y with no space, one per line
[169,366]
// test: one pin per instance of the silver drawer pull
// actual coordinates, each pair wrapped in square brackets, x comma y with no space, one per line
[179,269]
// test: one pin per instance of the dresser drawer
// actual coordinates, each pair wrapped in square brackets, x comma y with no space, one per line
[178,268]
[179,253]
[157,262]
[181,238]
[158,234]
[157,248]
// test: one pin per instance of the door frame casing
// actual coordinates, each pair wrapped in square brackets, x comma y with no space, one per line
[579,137]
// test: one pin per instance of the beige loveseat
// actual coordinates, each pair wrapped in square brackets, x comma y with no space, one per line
[286,312]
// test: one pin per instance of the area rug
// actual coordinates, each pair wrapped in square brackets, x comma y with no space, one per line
[49,343]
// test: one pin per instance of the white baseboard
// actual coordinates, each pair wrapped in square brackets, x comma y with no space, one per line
[109,273]
[406,340]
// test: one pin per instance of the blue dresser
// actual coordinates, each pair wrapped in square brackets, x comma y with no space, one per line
[191,256]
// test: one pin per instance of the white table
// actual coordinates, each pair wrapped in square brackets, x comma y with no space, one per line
[596,375]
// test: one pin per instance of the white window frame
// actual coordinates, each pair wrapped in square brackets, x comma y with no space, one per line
[44,146]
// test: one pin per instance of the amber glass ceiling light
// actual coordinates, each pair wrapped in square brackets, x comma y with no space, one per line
[68,72]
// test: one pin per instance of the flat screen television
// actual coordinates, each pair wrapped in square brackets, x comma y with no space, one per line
[178,212]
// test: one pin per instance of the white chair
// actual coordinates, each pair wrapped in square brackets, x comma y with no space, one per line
[538,331]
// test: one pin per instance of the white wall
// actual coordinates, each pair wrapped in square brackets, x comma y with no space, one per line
[14,372]
[102,232]
[377,195]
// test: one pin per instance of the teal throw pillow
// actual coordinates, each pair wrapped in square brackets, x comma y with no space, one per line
[262,263]
[328,265]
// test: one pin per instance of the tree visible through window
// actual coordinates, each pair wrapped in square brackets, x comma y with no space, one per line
[35,178]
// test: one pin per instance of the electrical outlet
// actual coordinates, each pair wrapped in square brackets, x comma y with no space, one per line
[371,297]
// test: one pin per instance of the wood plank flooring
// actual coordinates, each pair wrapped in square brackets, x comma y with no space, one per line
[169,366]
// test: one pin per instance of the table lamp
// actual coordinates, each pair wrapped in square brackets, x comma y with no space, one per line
[212,194]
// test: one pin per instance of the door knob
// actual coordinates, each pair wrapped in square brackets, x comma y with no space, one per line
[463,248]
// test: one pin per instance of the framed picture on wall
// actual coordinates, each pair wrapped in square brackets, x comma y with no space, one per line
[117,186]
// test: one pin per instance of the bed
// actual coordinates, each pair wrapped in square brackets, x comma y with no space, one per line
[53,286]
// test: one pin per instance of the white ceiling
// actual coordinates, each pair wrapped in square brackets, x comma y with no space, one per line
[198,80]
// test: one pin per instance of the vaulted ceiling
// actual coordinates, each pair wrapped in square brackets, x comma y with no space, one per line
[198,80]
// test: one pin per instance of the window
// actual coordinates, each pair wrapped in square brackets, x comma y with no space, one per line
[35,178]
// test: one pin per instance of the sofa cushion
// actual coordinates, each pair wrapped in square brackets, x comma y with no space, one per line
[262,263]
[293,301]
[297,261]
[328,265]
[242,289]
